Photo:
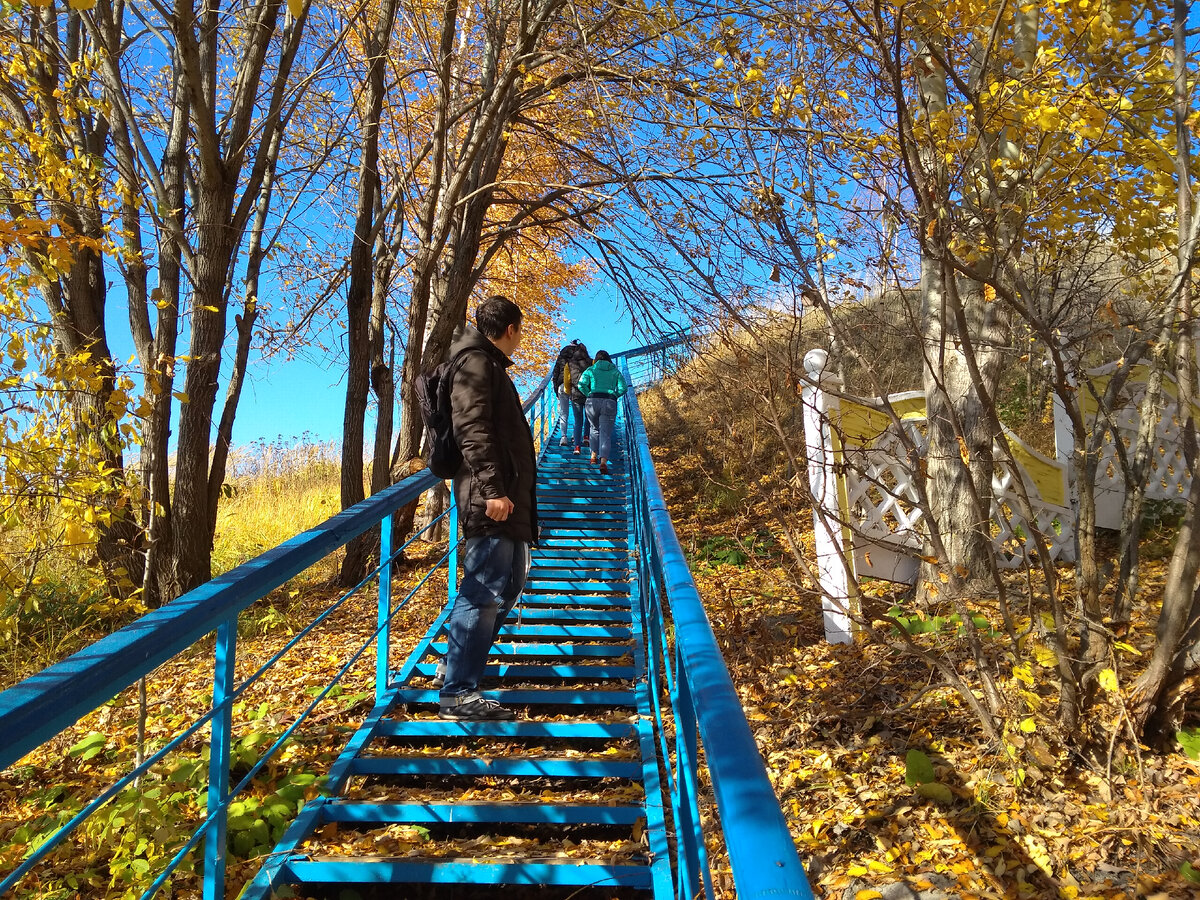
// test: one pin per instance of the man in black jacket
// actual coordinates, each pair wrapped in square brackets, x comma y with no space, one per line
[496,499]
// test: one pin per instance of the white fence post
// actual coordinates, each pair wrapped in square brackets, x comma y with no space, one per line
[834,565]
[1064,452]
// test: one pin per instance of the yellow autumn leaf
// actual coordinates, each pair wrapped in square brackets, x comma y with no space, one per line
[1108,680]
[295,7]
[81,4]
[1045,656]
[75,534]
[868,894]
[1028,725]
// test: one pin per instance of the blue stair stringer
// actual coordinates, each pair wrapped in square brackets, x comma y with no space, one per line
[572,662]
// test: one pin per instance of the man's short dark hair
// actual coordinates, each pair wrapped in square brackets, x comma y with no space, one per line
[495,314]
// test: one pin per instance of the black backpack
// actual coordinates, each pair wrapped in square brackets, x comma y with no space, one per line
[433,396]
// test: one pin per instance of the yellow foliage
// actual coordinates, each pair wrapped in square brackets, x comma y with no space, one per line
[61,413]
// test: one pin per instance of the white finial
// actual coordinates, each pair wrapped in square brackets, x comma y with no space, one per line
[814,363]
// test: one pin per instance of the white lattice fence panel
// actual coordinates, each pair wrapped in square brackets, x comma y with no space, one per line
[1013,536]
[880,493]
[881,499]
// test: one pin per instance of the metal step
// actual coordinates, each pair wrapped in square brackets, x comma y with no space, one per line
[359,813]
[526,697]
[541,631]
[505,767]
[525,671]
[462,871]
[524,729]
[585,651]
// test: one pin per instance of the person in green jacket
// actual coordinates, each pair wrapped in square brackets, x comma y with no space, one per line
[602,384]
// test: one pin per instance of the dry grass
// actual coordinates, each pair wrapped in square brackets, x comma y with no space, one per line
[835,722]
[276,491]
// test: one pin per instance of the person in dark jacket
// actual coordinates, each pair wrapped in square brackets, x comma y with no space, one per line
[497,503]
[573,360]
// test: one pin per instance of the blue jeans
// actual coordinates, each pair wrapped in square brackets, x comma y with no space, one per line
[566,403]
[494,572]
[602,413]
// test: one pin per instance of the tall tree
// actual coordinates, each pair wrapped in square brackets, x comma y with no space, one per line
[361,296]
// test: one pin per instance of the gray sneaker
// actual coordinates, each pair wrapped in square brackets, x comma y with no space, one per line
[439,676]
[477,709]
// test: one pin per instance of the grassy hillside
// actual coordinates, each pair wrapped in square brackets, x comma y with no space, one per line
[836,724]
[275,491]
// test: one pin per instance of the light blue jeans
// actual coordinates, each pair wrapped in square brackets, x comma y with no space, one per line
[566,403]
[602,413]
[494,572]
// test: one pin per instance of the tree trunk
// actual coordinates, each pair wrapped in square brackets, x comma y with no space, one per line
[191,516]
[382,379]
[226,194]
[959,461]
[255,254]
[77,299]
[360,298]
[1156,696]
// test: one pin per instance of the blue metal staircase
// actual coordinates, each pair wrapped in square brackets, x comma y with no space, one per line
[571,660]
[627,717]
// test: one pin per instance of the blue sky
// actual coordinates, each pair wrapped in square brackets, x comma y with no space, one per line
[303,398]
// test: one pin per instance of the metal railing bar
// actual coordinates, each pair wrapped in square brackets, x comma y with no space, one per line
[333,607]
[337,677]
[762,853]
[282,739]
[54,840]
[44,704]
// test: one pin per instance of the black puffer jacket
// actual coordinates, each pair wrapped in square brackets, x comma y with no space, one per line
[497,445]
[575,357]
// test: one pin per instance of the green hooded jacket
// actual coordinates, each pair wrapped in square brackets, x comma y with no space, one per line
[602,378]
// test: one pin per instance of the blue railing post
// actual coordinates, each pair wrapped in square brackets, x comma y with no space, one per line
[384,616]
[542,426]
[218,759]
[452,562]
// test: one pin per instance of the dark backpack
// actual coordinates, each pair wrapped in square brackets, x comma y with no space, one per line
[442,452]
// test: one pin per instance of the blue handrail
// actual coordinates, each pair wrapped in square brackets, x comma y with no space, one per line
[762,854]
[44,704]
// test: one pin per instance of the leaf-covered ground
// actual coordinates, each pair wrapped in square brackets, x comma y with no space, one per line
[117,852]
[835,724]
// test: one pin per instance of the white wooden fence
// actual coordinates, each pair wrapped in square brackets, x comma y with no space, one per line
[865,513]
